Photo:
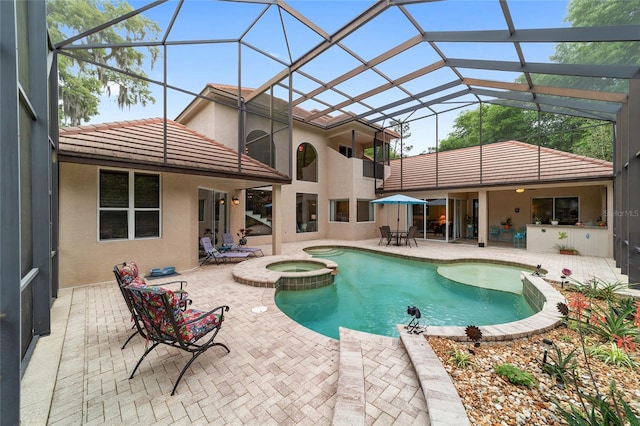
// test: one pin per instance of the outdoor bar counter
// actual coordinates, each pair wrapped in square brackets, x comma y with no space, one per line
[588,240]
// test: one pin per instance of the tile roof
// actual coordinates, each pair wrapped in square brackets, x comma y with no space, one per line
[503,163]
[262,104]
[141,142]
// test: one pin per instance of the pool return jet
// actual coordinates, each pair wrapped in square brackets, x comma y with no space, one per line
[414,324]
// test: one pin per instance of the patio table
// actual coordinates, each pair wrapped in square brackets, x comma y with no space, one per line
[399,235]
[505,232]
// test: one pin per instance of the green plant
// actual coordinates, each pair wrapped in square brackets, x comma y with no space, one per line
[565,338]
[515,375]
[600,289]
[610,411]
[460,358]
[561,366]
[612,354]
[562,235]
[611,323]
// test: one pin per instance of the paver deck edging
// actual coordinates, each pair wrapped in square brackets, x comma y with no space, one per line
[350,396]
[544,320]
[444,405]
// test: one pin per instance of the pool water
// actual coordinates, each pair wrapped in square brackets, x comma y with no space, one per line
[372,291]
[296,266]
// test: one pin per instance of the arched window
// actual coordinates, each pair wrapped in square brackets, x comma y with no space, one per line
[259,146]
[307,164]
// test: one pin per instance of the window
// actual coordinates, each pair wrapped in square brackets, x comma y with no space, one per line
[339,210]
[129,205]
[306,212]
[258,211]
[307,166]
[347,151]
[565,209]
[365,211]
[260,147]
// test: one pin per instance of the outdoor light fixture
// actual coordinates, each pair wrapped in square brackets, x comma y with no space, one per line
[222,201]
[547,346]
[235,201]
[414,324]
[519,190]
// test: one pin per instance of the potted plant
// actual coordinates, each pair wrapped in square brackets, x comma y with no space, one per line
[554,221]
[506,223]
[537,220]
[242,233]
[563,248]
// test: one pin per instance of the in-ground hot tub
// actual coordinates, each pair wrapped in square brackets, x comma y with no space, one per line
[296,266]
[286,272]
[303,274]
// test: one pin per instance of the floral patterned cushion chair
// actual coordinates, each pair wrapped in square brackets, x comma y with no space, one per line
[127,274]
[166,322]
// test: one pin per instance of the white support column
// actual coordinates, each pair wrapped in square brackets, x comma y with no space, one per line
[276,220]
[609,208]
[483,217]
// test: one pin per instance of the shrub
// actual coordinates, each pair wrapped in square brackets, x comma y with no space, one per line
[460,358]
[611,410]
[610,323]
[561,366]
[600,289]
[515,375]
[612,354]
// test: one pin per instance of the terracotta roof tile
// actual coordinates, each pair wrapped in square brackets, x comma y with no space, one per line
[142,142]
[503,163]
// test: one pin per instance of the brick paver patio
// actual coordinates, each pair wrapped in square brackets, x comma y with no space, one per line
[278,372]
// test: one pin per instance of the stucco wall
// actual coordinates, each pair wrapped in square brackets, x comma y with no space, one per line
[502,204]
[84,259]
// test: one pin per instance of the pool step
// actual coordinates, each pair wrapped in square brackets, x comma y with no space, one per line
[350,397]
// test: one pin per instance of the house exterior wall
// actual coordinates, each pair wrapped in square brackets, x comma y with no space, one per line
[338,176]
[502,204]
[84,259]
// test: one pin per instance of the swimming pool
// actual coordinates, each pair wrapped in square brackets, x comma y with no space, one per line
[371,293]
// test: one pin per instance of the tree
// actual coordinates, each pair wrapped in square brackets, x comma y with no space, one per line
[403,130]
[499,123]
[571,134]
[598,143]
[582,13]
[82,82]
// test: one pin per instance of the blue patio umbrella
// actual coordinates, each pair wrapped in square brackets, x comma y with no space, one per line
[399,199]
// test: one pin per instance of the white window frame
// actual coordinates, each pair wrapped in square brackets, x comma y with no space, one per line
[131,210]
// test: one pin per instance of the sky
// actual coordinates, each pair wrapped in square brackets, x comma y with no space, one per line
[192,66]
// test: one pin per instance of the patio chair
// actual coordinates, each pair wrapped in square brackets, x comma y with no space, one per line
[166,323]
[519,238]
[127,274]
[385,234]
[229,244]
[411,235]
[213,253]
[494,233]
